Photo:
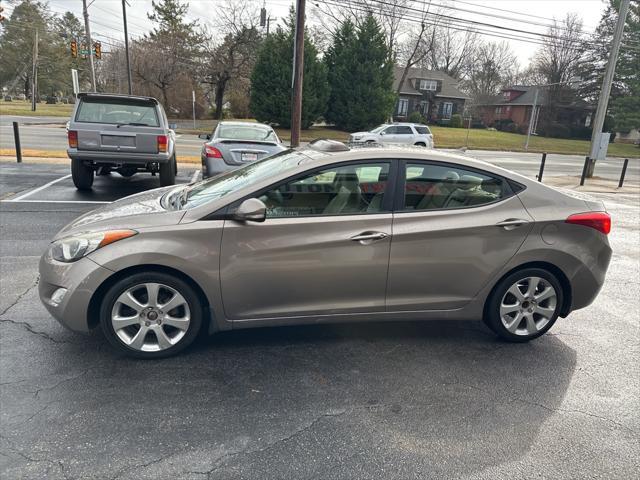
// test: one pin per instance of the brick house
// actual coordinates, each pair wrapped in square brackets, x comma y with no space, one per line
[516,102]
[434,94]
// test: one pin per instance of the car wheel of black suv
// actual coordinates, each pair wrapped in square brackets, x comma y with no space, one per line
[81,174]
[151,315]
[524,305]
[168,172]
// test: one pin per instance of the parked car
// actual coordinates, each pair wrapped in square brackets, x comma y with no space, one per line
[21,96]
[329,234]
[233,144]
[121,133]
[396,133]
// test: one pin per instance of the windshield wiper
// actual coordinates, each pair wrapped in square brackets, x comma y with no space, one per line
[134,124]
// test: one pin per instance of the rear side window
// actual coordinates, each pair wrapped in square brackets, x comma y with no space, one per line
[403,130]
[117,111]
[433,187]
[423,130]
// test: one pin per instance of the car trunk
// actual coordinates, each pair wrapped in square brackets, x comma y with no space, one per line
[111,138]
[238,153]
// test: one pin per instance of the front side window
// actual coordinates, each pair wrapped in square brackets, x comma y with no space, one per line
[341,190]
[117,112]
[433,187]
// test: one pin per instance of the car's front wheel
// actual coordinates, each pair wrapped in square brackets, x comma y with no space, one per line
[151,315]
[81,174]
[524,305]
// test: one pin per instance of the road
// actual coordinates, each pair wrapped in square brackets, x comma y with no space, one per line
[53,138]
[388,401]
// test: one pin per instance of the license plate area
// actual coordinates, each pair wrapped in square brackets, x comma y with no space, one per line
[249,157]
[118,141]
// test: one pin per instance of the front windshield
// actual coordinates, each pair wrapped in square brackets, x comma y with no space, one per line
[247,133]
[252,173]
[378,129]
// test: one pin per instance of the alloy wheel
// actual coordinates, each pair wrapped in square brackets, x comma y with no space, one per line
[528,306]
[150,317]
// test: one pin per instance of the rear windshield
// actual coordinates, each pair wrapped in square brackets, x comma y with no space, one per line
[422,130]
[117,111]
[246,132]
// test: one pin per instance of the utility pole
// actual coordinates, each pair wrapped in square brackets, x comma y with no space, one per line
[298,68]
[603,101]
[34,74]
[87,31]
[531,120]
[126,42]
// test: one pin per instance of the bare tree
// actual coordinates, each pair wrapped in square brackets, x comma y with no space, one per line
[493,66]
[452,51]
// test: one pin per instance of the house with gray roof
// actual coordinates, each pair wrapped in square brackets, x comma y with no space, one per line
[434,94]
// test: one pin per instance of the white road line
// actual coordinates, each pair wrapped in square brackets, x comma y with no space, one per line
[194,177]
[39,189]
[56,201]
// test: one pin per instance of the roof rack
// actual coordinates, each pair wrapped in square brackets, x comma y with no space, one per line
[326,145]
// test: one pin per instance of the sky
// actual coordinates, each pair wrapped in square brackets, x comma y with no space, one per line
[528,15]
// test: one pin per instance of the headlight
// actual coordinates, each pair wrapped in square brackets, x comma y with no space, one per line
[74,248]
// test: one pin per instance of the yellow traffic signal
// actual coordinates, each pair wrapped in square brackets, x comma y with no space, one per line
[74,49]
[97,48]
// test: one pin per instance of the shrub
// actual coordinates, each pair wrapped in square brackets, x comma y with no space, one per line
[415,117]
[510,127]
[456,121]
[502,123]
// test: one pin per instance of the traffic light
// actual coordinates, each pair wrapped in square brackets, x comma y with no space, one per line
[97,48]
[74,49]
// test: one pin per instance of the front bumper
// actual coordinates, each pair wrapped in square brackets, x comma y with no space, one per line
[80,279]
[119,158]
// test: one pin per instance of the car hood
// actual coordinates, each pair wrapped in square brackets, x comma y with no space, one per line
[361,134]
[136,211]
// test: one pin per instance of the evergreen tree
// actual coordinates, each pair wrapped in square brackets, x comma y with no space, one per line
[361,76]
[271,80]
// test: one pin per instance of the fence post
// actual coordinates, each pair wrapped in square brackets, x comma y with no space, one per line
[584,169]
[544,159]
[16,137]
[624,172]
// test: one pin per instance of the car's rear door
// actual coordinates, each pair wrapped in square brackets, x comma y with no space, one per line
[454,228]
[323,248]
[118,125]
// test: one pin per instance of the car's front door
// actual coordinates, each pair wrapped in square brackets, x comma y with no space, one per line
[323,248]
[454,230]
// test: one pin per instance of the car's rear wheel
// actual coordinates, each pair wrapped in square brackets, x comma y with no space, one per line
[524,305]
[420,144]
[151,315]
[81,174]
[168,172]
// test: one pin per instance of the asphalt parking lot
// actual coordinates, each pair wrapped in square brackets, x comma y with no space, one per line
[389,400]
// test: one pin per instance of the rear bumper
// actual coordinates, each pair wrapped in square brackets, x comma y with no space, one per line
[119,158]
[587,280]
[215,166]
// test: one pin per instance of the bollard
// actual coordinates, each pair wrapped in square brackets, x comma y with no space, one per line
[544,159]
[584,169]
[624,172]
[16,137]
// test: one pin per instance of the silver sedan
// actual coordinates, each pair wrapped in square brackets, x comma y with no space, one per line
[328,234]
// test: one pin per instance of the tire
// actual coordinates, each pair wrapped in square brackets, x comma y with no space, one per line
[162,335]
[369,142]
[420,144]
[523,316]
[81,174]
[168,173]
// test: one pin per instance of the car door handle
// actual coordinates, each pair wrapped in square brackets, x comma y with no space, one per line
[369,237]
[512,223]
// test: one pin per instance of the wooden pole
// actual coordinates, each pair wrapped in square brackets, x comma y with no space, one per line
[298,67]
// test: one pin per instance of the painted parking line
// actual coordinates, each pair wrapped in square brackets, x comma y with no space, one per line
[195,176]
[39,189]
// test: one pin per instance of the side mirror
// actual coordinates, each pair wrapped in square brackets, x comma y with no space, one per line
[251,210]
[382,133]
[173,126]
[204,136]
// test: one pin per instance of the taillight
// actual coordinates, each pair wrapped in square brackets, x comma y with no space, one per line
[72,135]
[212,152]
[601,221]
[163,142]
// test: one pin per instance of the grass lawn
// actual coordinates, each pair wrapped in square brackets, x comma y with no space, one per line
[22,107]
[493,140]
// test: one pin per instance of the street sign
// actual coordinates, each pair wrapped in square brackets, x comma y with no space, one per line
[74,79]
